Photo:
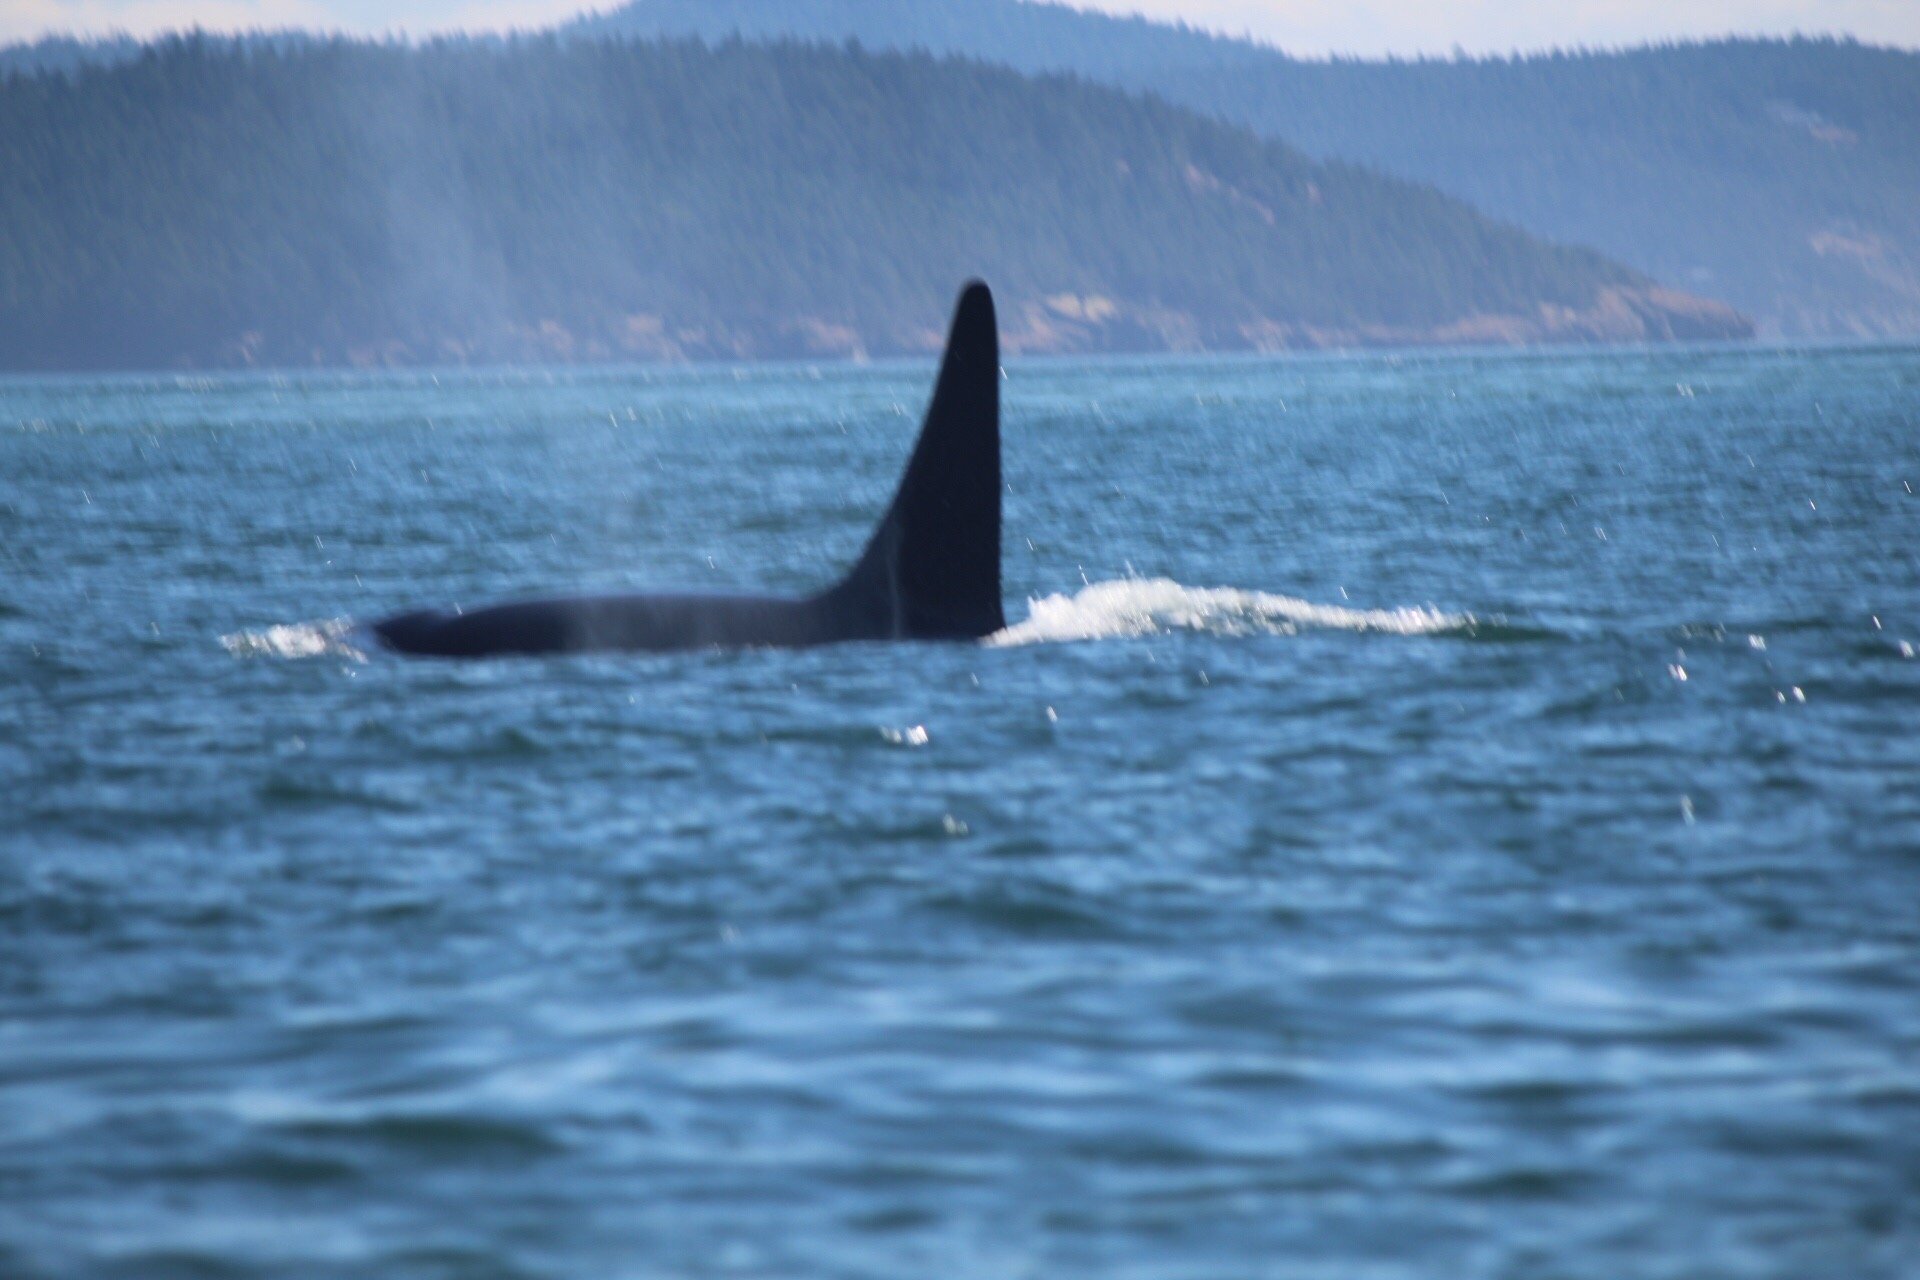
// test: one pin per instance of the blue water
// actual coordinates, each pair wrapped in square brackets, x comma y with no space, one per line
[1442,816]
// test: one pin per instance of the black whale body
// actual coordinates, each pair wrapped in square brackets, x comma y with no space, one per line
[930,572]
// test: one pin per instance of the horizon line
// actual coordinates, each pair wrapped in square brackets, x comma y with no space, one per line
[1457,54]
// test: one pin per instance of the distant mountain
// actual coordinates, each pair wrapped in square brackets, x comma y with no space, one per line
[1781,176]
[1028,35]
[211,204]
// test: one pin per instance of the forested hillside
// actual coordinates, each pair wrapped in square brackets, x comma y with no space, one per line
[66,53]
[212,203]
[1780,176]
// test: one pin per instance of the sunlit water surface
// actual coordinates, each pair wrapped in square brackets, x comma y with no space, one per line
[1446,816]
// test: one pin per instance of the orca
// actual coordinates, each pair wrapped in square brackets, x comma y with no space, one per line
[931,570]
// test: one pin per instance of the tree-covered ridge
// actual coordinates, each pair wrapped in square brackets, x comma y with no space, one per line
[66,53]
[331,201]
[1783,177]
[1779,175]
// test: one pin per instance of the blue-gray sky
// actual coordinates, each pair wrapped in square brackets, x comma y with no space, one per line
[1302,26]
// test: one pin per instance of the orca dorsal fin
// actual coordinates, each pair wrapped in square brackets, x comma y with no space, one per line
[932,568]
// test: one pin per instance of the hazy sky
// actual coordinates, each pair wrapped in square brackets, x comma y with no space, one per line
[1303,26]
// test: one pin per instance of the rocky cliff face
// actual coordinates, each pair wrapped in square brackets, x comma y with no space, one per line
[1618,314]
[1058,324]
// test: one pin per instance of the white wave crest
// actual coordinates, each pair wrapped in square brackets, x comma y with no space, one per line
[335,638]
[1150,606]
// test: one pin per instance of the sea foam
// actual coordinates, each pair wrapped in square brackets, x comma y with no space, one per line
[338,637]
[1150,606]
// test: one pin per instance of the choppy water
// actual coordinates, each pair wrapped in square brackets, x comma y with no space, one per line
[1443,816]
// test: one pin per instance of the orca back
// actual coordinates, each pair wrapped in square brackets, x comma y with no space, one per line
[930,572]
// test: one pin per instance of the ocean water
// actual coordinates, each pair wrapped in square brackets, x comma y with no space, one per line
[1441,815]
